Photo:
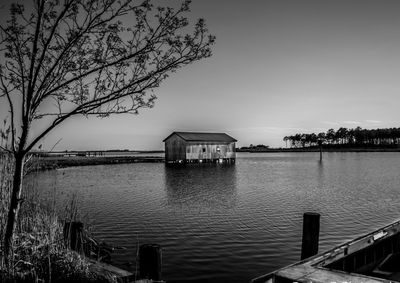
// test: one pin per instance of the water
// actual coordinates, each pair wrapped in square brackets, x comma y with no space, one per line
[233,223]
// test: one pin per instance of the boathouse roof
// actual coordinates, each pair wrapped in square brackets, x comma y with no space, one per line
[203,137]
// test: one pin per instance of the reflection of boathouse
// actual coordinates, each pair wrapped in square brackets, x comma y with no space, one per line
[190,147]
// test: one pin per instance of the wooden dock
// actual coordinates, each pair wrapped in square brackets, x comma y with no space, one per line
[111,272]
[370,258]
[115,274]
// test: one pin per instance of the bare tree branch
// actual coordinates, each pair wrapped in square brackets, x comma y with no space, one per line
[50,37]
[32,60]
[87,58]
[10,103]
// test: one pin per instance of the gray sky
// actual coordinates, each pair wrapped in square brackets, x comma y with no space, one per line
[278,67]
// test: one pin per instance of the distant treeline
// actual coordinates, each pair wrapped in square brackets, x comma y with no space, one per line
[251,147]
[346,137]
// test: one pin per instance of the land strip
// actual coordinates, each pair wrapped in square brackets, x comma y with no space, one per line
[57,162]
[324,149]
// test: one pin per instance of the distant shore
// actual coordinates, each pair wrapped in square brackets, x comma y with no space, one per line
[57,162]
[324,149]
[60,161]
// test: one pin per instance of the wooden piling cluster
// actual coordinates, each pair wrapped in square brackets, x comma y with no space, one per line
[150,255]
[202,161]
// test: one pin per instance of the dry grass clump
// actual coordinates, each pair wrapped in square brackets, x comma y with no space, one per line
[39,252]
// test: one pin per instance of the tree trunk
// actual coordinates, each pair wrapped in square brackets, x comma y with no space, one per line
[14,205]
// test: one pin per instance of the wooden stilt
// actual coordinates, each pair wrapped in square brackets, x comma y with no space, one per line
[150,261]
[310,239]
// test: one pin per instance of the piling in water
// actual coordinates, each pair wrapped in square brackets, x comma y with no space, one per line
[310,239]
[320,149]
[73,235]
[150,262]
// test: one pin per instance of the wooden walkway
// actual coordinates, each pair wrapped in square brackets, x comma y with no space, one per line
[357,261]
[117,274]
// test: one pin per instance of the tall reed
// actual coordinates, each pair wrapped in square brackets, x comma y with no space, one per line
[39,251]
[6,170]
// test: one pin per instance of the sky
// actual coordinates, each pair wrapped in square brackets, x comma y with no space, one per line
[278,68]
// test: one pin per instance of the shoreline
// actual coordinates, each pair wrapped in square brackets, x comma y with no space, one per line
[328,149]
[57,162]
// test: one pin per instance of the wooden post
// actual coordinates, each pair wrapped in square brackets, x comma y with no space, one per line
[320,153]
[309,246]
[150,262]
[320,149]
[73,235]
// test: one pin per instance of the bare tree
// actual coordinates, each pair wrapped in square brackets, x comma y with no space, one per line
[64,58]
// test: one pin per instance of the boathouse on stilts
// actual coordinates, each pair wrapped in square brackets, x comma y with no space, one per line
[193,147]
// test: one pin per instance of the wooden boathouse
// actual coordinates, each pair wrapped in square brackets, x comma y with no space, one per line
[194,147]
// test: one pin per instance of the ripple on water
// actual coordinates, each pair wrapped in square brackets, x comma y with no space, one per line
[233,223]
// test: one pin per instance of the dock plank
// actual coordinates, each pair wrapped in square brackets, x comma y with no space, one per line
[322,276]
[110,271]
[306,273]
[296,272]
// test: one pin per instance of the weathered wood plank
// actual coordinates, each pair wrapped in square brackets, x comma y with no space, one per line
[110,271]
[305,273]
[323,276]
[296,272]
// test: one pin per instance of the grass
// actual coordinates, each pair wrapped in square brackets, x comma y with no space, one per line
[40,253]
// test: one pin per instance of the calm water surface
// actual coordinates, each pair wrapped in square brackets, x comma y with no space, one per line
[233,223]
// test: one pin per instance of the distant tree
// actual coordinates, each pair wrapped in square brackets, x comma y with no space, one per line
[296,140]
[358,136]
[313,138]
[330,135]
[285,139]
[78,57]
[341,135]
[350,136]
[322,137]
[344,136]
[262,146]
